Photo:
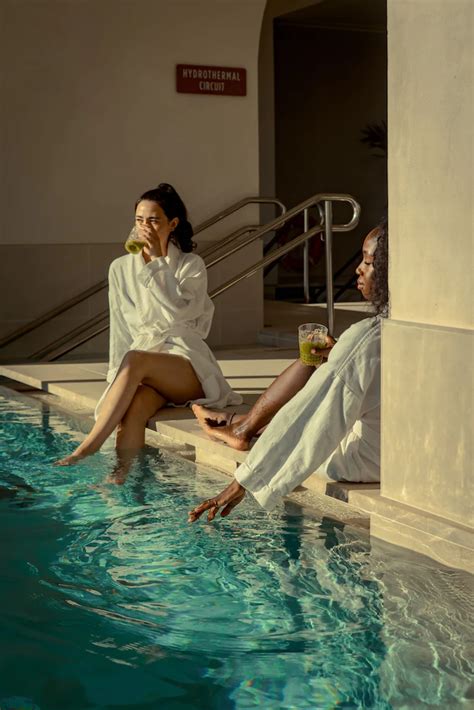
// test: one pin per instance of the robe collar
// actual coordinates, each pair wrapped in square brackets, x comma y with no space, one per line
[173,256]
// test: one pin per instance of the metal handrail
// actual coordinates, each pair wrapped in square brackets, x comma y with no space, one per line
[49,315]
[326,226]
[238,206]
[273,256]
[287,216]
[83,328]
[205,253]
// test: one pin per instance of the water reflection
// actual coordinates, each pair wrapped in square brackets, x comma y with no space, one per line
[111,599]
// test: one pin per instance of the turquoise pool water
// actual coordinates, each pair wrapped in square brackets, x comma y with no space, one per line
[110,600]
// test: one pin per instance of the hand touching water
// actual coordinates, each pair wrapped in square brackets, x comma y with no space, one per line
[227,500]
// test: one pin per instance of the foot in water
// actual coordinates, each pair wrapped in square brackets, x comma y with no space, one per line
[223,426]
[74,458]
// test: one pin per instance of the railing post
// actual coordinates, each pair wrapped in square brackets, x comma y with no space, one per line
[306,257]
[329,283]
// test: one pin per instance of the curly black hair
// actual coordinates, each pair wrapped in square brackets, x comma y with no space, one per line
[379,293]
[173,206]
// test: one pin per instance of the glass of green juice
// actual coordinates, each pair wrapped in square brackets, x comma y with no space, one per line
[134,244]
[311,336]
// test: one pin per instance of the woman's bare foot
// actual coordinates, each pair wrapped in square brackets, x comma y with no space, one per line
[68,460]
[217,426]
[75,457]
[209,417]
[124,463]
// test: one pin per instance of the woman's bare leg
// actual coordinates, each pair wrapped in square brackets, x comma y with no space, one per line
[239,433]
[171,376]
[131,430]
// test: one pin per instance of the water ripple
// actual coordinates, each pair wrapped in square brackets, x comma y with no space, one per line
[277,611]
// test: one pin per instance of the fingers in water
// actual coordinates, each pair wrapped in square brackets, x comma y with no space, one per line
[212,513]
[227,500]
[196,512]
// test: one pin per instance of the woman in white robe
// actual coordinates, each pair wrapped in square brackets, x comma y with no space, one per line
[160,313]
[326,421]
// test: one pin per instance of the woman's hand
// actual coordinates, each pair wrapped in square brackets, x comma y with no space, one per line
[151,239]
[324,352]
[229,498]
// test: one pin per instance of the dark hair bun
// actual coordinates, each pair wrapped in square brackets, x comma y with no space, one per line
[166,188]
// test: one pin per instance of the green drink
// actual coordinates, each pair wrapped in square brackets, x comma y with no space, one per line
[134,244]
[311,336]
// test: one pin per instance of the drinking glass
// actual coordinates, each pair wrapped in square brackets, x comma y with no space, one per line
[311,336]
[133,243]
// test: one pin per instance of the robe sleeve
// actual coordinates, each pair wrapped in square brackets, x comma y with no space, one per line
[309,427]
[120,338]
[182,296]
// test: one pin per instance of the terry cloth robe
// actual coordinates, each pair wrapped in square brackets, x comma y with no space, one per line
[163,306]
[331,427]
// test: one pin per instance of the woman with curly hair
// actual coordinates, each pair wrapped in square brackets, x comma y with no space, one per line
[160,313]
[325,421]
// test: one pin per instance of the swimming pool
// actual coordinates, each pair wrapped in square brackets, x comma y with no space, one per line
[110,600]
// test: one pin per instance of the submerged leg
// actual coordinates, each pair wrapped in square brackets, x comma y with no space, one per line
[240,431]
[171,376]
[131,430]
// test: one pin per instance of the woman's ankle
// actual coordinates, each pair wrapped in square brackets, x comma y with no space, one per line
[84,450]
[240,430]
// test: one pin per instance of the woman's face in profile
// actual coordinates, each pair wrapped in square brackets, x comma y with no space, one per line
[150,216]
[365,270]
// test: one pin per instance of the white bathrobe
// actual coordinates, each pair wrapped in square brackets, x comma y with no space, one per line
[331,427]
[163,306]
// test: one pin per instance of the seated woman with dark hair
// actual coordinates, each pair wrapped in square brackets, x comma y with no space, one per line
[325,421]
[160,313]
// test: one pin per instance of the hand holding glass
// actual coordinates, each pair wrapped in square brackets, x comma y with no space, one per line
[312,336]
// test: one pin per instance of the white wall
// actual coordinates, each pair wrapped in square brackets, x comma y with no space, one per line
[93,117]
[92,120]
[428,343]
[431,160]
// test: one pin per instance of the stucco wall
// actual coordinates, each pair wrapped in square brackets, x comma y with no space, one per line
[427,346]
[91,119]
[431,186]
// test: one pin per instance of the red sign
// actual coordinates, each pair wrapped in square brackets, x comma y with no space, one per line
[223,81]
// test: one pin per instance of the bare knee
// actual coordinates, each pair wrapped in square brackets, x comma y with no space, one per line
[134,361]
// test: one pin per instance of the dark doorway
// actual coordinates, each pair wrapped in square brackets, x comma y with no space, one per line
[330,93]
